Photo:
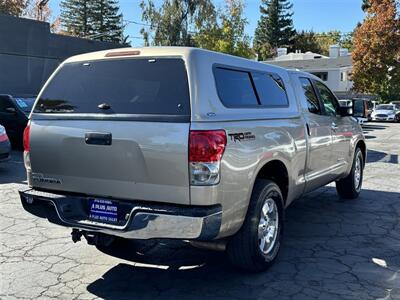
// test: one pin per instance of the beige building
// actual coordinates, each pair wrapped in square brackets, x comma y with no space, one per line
[335,69]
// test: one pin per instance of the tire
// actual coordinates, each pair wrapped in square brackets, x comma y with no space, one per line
[350,186]
[244,248]
[397,119]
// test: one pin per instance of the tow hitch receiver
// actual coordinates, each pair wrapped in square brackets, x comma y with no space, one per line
[76,235]
[92,238]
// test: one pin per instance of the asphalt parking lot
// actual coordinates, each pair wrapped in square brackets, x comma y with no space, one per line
[333,249]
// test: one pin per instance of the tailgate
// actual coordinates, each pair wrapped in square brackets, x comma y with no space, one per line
[114,128]
[145,161]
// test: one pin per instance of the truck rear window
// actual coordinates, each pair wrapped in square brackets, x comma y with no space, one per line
[127,86]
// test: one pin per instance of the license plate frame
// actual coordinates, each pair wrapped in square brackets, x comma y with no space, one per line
[103,211]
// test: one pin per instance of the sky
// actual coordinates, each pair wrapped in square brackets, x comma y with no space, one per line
[316,15]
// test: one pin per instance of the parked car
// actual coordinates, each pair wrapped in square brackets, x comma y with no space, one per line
[183,143]
[386,112]
[362,108]
[5,146]
[396,105]
[14,113]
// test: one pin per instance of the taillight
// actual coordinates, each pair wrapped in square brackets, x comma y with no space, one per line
[206,148]
[26,137]
[3,137]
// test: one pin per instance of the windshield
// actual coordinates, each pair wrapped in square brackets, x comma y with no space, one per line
[25,104]
[385,107]
[125,86]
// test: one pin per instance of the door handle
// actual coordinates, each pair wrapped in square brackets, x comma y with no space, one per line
[334,126]
[98,138]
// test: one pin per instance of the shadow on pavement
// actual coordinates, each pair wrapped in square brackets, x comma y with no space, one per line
[369,137]
[373,127]
[332,248]
[379,156]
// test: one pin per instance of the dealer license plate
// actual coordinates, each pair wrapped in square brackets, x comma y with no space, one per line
[103,210]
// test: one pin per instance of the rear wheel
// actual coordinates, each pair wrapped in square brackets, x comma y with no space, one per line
[350,186]
[255,247]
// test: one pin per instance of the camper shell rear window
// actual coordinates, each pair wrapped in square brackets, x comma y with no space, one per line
[140,86]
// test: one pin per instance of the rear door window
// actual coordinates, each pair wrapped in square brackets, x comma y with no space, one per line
[270,89]
[328,99]
[235,88]
[128,86]
[313,103]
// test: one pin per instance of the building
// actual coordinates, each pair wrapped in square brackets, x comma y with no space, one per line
[335,69]
[29,53]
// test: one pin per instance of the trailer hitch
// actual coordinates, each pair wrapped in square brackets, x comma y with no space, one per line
[76,235]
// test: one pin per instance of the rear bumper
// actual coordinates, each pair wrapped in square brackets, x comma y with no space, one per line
[142,220]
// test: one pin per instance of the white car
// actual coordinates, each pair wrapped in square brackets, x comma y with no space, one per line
[386,112]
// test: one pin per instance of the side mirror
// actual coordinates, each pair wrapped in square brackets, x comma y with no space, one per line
[346,111]
[11,110]
[313,109]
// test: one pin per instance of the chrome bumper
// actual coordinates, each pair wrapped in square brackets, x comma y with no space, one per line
[142,221]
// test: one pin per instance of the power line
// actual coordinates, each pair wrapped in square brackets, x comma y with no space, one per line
[323,34]
[333,34]
[136,23]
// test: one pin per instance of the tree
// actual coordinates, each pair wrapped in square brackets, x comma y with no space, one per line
[13,7]
[365,5]
[76,17]
[226,34]
[107,21]
[275,27]
[326,39]
[334,37]
[376,54]
[306,41]
[95,19]
[347,41]
[175,22]
[38,10]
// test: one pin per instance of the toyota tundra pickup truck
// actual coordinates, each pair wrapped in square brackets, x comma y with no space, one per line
[184,143]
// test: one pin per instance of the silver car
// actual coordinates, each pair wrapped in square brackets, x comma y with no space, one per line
[386,112]
[183,143]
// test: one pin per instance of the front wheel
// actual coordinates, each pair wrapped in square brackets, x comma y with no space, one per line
[256,245]
[350,186]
